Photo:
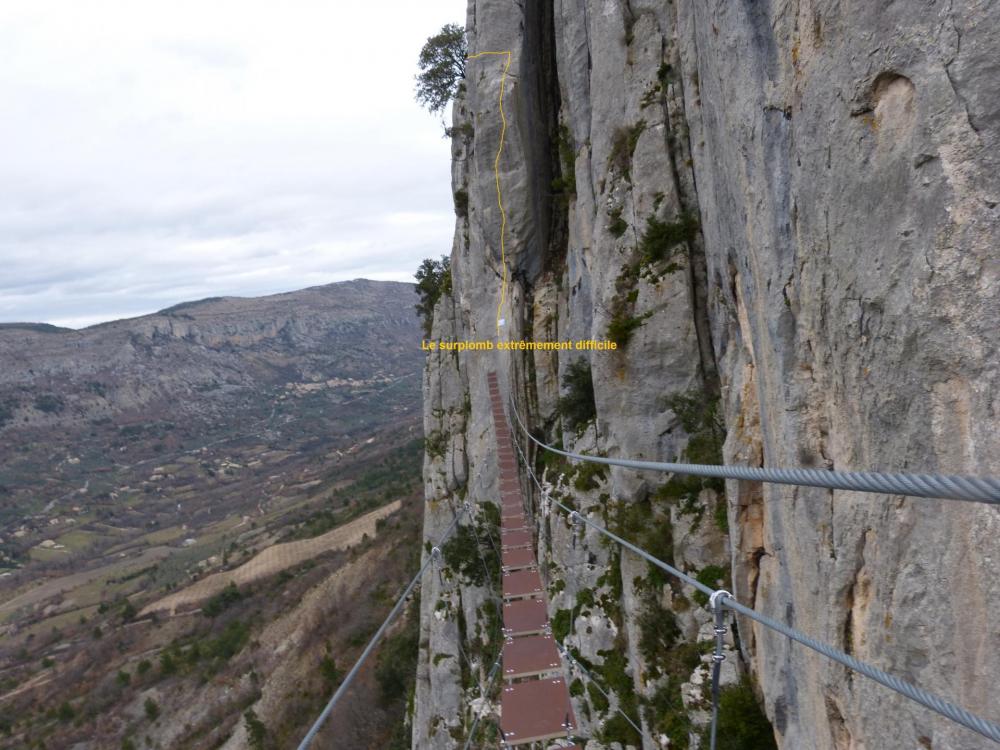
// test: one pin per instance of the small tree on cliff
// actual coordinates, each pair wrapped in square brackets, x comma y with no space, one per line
[433,280]
[442,67]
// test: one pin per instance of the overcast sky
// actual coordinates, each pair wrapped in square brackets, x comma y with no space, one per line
[155,152]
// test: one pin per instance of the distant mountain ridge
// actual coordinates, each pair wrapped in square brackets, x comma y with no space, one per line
[318,369]
[342,329]
[41,327]
[37,327]
[290,369]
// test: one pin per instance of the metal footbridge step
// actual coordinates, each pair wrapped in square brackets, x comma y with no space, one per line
[534,702]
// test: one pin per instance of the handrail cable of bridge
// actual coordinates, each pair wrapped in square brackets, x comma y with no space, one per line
[957,714]
[484,692]
[942,486]
[479,546]
[498,636]
[463,656]
[576,665]
[400,603]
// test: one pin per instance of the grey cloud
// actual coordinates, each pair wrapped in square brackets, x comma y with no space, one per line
[172,165]
[204,54]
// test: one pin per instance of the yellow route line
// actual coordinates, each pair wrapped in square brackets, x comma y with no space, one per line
[496,174]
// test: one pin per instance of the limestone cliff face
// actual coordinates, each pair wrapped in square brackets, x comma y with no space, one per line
[786,209]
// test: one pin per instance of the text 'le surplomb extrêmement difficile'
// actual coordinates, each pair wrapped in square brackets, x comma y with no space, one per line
[580,345]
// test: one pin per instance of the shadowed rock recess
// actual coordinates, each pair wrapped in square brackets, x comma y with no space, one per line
[786,214]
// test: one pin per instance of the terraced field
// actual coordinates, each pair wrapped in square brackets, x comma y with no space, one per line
[274,559]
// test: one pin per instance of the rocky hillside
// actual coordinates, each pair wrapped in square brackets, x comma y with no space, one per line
[55,376]
[84,412]
[786,214]
[147,464]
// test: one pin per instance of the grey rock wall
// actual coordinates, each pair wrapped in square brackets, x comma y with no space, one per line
[838,295]
[847,184]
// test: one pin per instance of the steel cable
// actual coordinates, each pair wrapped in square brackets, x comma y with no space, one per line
[959,715]
[493,544]
[342,688]
[498,635]
[944,486]
[489,684]
[575,515]
[718,656]
[461,651]
[479,546]
[577,665]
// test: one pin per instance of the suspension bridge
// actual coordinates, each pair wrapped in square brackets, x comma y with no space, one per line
[535,706]
[534,702]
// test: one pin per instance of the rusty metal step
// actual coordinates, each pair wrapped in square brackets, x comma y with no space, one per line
[517,559]
[535,710]
[525,617]
[513,522]
[531,656]
[514,539]
[521,584]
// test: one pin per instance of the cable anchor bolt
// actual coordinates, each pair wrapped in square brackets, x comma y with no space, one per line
[714,602]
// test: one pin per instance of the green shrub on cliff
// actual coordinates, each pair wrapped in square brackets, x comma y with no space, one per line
[470,554]
[622,325]
[565,184]
[742,725]
[698,414]
[713,576]
[577,406]
[462,203]
[662,239]
[617,226]
[623,144]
